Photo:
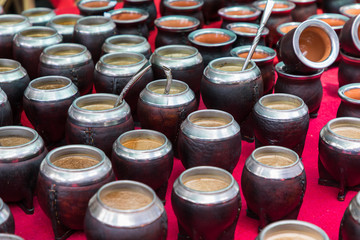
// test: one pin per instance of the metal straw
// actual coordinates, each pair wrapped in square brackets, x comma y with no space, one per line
[168,79]
[264,19]
[132,81]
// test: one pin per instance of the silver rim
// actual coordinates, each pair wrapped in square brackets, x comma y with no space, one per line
[331,16]
[296,225]
[195,22]
[199,32]
[333,39]
[343,89]
[245,49]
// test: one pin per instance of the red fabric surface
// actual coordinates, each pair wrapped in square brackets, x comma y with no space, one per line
[320,204]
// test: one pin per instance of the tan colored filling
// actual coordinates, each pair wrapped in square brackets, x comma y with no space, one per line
[67,22]
[228,67]
[353,93]
[210,121]
[95,4]
[36,14]
[98,107]
[244,29]
[333,21]
[287,29]
[183,3]
[256,55]
[176,54]
[38,34]
[127,16]
[10,22]
[206,183]
[125,43]
[293,235]
[276,6]
[239,12]
[50,86]
[315,44]
[126,199]
[142,143]
[122,61]
[13,141]
[66,52]
[177,23]
[75,162]
[353,11]
[173,90]
[282,105]
[349,131]
[212,38]
[5,69]
[275,160]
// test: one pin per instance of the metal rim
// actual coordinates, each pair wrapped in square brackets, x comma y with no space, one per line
[331,16]
[65,16]
[43,79]
[62,46]
[199,32]
[284,149]
[231,59]
[13,16]
[169,101]
[81,21]
[111,39]
[281,95]
[295,223]
[271,53]
[163,48]
[145,15]
[39,28]
[23,129]
[108,95]
[278,29]
[328,126]
[37,9]
[290,5]
[75,146]
[164,81]
[230,27]
[303,1]
[16,63]
[195,22]
[110,5]
[126,182]
[334,41]
[197,6]
[121,54]
[355,33]
[281,71]
[199,112]
[349,58]
[214,169]
[146,131]
[345,88]
[223,13]
[344,8]
[10,236]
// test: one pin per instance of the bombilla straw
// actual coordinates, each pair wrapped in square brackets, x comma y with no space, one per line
[168,79]
[132,81]
[264,19]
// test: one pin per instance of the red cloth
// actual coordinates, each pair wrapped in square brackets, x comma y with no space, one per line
[320,204]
